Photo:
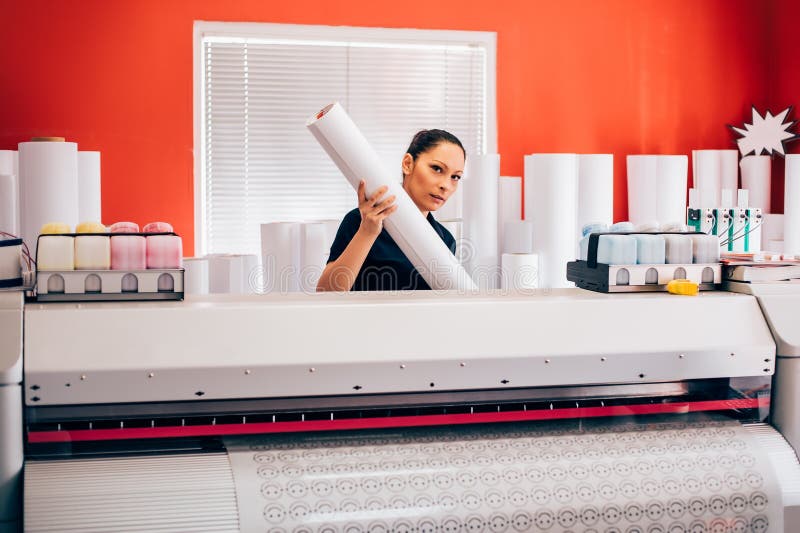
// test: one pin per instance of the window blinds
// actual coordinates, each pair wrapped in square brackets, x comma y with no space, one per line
[260,164]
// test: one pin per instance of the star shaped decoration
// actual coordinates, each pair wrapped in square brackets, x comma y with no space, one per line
[765,135]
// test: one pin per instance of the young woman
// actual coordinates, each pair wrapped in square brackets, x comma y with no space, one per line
[363,256]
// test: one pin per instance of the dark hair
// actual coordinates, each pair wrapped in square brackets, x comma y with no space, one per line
[426,139]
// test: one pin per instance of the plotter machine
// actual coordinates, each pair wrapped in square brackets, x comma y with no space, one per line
[564,410]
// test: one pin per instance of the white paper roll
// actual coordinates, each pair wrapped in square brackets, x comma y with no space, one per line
[671,179]
[509,206]
[9,204]
[48,186]
[595,190]
[642,188]
[195,276]
[251,274]
[707,178]
[791,206]
[657,188]
[520,272]
[357,160]
[480,184]
[9,162]
[280,256]
[518,237]
[315,249]
[89,186]
[225,274]
[756,174]
[551,203]
[729,169]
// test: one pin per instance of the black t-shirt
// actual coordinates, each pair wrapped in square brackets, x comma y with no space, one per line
[386,268]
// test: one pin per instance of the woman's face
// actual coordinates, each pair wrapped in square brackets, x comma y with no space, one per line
[434,176]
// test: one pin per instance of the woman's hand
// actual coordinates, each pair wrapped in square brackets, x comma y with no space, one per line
[374,209]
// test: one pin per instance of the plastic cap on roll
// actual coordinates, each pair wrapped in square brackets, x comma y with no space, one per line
[52,228]
[157,227]
[90,227]
[47,139]
[124,227]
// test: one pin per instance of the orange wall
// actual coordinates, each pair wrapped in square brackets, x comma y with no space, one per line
[621,76]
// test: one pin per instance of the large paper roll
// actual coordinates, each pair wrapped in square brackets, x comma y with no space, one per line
[551,203]
[595,190]
[280,256]
[357,160]
[89,187]
[520,272]
[729,170]
[791,206]
[224,274]
[509,206]
[671,180]
[657,188]
[315,249]
[756,174]
[480,184]
[48,186]
[9,162]
[518,237]
[9,204]
[195,276]
[708,171]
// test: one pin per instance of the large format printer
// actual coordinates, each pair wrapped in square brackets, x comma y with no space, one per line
[158,416]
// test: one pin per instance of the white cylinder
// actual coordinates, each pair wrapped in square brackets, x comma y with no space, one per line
[315,249]
[352,153]
[251,279]
[551,203]
[756,173]
[509,206]
[48,186]
[224,274]
[671,180]
[791,206]
[195,276]
[518,237]
[707,175]
[480,184]
[729,169]
[595,189]
[280,256]
[520,272]
[9,204]
[9,162]
[642,189]
[89,186]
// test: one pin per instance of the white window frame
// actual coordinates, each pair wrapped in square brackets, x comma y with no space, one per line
[294,32]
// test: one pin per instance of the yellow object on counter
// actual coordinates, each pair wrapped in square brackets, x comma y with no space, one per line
[54,228]
[90,227]
[684,287]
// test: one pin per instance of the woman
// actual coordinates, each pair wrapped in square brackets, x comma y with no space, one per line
[363,256]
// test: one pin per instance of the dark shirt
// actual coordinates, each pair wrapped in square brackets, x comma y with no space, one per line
[386,268]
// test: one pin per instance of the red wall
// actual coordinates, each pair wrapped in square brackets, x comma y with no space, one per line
[621,76]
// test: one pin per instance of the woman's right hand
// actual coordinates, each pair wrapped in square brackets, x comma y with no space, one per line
[374,209]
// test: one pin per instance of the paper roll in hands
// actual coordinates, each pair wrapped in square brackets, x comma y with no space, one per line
[349,149]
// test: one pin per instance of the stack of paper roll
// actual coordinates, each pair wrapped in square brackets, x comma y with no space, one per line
[89,186]
[316,238]
[280,256]
[351,152]
[195,276]
[551,204]
[520,272]
[509,206]
[657,188]
[226,274]
[48,186]
[791,206]
[479,243]
[716,176]
[595,190]
[9,192]
[756,174]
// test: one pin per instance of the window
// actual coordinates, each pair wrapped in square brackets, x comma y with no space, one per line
[257,84]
